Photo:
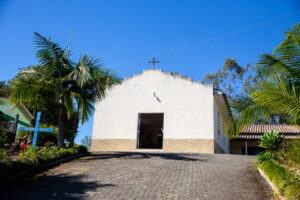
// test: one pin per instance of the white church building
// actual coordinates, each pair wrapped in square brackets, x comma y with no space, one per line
[160,110]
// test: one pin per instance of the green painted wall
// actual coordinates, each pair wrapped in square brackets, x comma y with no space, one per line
[5,107]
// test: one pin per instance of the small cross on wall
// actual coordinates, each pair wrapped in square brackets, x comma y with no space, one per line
[153,62]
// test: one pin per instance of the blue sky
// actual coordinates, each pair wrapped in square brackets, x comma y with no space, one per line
[127,34]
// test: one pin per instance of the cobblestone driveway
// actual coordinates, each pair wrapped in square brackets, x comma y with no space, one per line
[147,176]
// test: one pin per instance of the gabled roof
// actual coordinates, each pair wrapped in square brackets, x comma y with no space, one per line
[253,132]
[172,74]
[21,107]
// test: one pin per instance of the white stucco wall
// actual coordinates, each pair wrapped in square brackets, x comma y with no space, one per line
[188,107]
[219,135]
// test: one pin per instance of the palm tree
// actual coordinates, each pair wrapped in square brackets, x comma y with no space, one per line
[90,83]
[277,92]
[280,89]
[58,81]
[36,86]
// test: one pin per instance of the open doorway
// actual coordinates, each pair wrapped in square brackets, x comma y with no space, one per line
[150,131]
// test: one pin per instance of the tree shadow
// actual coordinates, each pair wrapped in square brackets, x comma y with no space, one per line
[63,186]
[137,155]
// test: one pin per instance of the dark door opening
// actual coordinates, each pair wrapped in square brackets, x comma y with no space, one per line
[150,131]
[252,150]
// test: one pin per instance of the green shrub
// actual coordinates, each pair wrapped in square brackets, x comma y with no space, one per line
[3,129]
[5,157]
[67,152]
[45,137]
[265,156]
[30,156]
[48,154]
[31,159]
[271,140]
[21,134]
[49,144]
[3,136]
[82,149]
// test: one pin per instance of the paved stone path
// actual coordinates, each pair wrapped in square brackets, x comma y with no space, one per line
[147,176]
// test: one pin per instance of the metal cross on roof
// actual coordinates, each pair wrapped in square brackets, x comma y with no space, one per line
[153,62]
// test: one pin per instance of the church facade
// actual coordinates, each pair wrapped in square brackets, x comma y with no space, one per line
[160,110]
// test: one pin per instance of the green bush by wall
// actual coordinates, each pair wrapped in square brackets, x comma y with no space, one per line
[32,158]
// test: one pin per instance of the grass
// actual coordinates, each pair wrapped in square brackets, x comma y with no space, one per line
[293,153]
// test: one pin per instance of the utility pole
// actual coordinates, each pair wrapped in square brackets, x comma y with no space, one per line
[69,44]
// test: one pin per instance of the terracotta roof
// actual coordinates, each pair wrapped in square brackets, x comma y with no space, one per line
[266,128]
[253,132]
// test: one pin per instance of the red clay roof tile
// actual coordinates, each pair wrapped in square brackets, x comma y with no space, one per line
[253,132]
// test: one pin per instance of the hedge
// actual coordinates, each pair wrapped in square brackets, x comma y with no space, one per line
[285,181]
[32,159]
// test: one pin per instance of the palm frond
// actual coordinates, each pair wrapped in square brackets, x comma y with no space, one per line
[51,56]
[285,59]
[34,94]
[277,94]
[87,109]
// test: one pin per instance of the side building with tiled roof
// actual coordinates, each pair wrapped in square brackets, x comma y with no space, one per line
[247,142]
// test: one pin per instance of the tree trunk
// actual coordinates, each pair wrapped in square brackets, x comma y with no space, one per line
[75,128]
[61,135]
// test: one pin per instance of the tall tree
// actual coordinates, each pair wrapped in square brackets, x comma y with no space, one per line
[54,82]
[232,78]
[86,141]
[277,93]
[4,89]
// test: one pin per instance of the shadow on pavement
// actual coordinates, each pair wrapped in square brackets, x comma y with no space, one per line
[135,155]
[64,186]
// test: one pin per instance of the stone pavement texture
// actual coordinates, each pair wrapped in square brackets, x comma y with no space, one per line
[147,176]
